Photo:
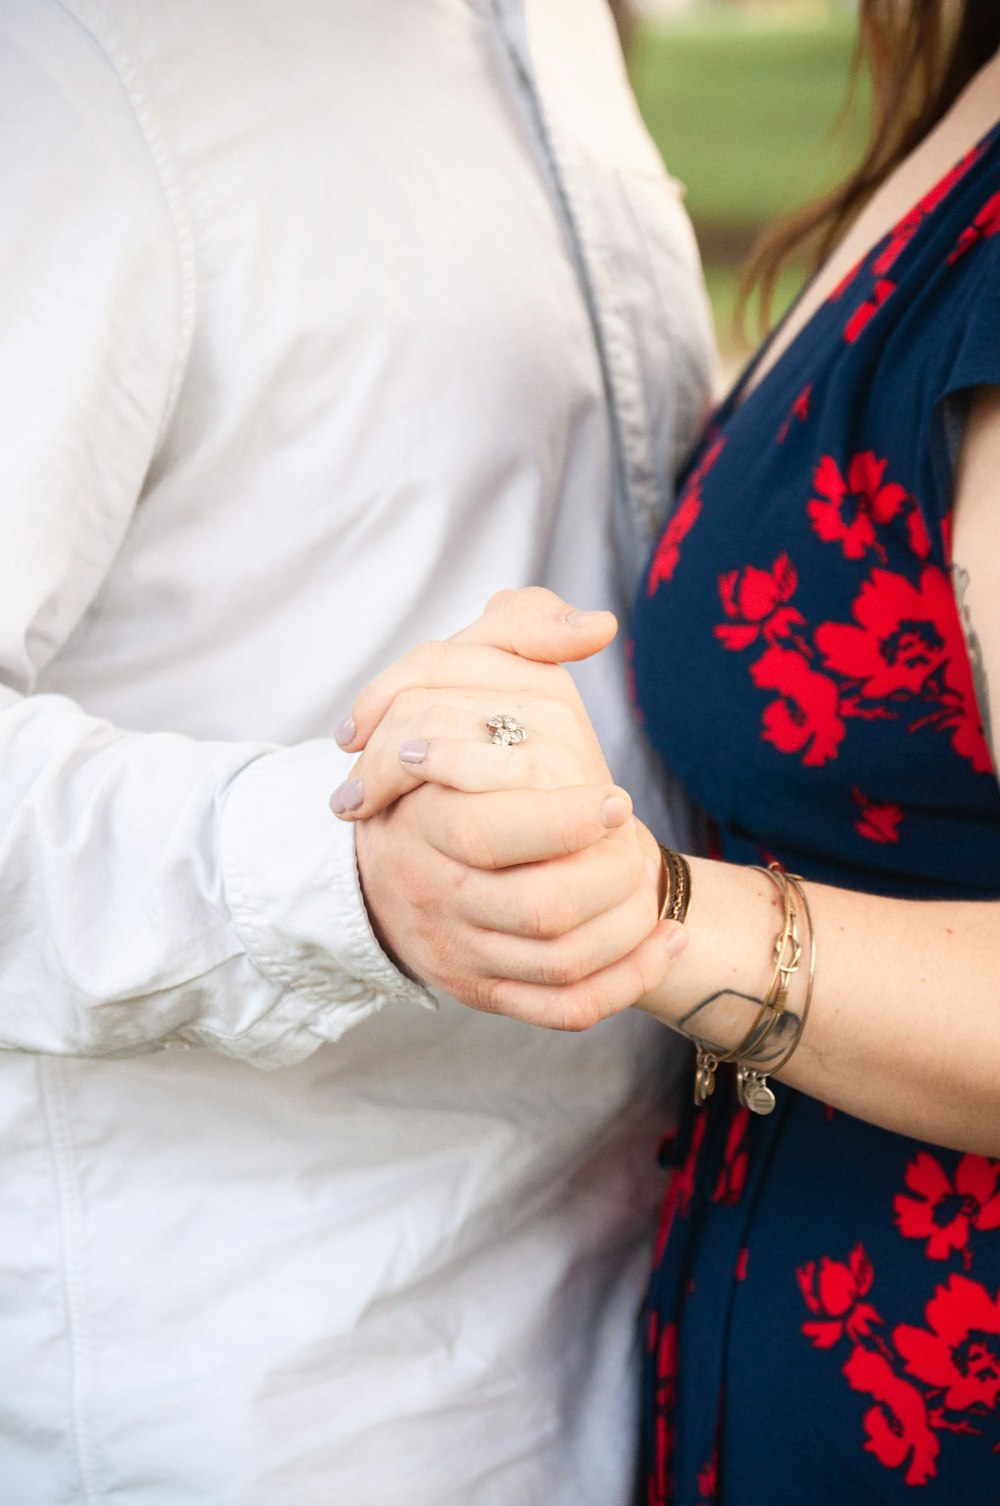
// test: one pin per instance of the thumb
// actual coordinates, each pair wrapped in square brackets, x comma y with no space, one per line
[537,624]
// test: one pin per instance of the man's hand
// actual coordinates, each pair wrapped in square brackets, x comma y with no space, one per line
[536,904]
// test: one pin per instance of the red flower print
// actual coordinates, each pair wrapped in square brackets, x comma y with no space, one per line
[986,224]
[916,528]
[943,1210]
[669,549]
[959,1350]
[806,719]
[681,1189]
[833,1292]
[901,237]
[898,1430]
[735,1159]
[799,410]
[742,1261]
[683,519]
[708,1480]
[865,312]
[878,821]
[908,642]
[958,712]
[908,226]
[848,510]
[754,601]
[660,1484]
[705,464]
[904,634]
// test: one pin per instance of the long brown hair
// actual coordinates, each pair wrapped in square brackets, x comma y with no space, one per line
[919,55]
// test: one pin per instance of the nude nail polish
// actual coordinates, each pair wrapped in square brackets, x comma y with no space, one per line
[347,797]
[413,751]
[346,732]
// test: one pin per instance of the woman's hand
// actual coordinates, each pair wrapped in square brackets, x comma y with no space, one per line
[424,718]
[518,880]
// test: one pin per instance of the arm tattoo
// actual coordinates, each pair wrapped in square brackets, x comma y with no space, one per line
[728,1005]
[960,579]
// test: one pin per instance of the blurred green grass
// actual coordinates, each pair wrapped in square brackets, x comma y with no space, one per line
[746,110]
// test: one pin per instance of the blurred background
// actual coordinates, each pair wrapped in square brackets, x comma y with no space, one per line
[745,100]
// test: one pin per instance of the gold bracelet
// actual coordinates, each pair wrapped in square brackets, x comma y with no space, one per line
[811,980]
[751,1093]
[677,891]
[777,989]
[707,1062]
[753,1086]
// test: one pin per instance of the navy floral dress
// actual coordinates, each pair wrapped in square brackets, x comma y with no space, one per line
[824,1318]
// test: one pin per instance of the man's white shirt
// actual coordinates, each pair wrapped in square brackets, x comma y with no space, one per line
[319,323]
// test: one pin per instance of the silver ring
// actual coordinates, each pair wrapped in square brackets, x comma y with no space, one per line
[506,730]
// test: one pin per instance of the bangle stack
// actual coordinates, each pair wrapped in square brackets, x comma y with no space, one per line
[752,1087]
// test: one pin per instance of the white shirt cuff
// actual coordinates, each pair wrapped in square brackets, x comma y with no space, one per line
[293,891]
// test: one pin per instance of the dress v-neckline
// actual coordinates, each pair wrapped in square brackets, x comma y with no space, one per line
[739,395]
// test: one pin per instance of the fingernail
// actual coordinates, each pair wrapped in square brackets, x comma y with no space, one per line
[676,941]
[347,797]
[413,751]
[346,732]
[580,619]
[615,811]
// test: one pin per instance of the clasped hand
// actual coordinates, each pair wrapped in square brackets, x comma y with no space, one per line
[515,878]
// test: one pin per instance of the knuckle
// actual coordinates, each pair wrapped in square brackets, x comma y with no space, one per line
[584,1012]
[449,721]
[488,995]
[549,915]
[541,597]
[562,966]
[409,703]
[475,844]
[427,658]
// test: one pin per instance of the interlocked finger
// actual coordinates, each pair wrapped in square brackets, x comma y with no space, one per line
[449,666]
[569,959]
[451,744]
[509,828]
[551,895]
[578,1006]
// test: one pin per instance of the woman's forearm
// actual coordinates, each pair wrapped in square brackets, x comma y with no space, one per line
[904,1028]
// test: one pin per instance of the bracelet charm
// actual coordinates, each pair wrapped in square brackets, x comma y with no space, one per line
[706,1064]
[753,1091]
[752,1088]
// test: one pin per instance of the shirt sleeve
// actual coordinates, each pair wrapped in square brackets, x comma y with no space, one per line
[154,889]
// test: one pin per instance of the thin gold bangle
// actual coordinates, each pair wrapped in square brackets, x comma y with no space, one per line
[800,889]
[707,1062]
[789,932]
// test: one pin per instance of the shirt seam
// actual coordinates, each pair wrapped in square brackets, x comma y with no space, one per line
[94,21]
[70,1227]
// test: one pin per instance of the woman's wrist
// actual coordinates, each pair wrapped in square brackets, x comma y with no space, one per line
[716,991]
